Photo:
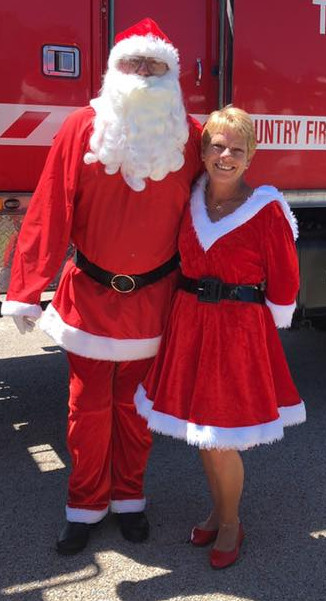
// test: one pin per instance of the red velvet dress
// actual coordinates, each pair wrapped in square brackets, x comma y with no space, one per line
[221,378]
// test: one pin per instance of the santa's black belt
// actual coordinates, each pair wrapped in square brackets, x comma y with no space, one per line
[122,282]
[212,290]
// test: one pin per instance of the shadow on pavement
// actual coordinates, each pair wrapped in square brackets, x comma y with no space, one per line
[283,508]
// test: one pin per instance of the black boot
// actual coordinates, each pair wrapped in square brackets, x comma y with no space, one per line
[73,538]
[133,526]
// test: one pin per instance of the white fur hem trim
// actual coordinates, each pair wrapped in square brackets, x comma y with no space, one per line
[148,45]
[293,416]
[15,308]
[209,232]
[282,314]
[88,345]
[212,437]
[128,506]
[85,516]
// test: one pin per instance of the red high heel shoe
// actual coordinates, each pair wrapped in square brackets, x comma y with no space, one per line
[201,538]
[223,559]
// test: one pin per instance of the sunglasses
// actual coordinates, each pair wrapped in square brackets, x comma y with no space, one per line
[132,64]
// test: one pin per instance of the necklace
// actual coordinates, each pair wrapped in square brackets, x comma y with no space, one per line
[220,207]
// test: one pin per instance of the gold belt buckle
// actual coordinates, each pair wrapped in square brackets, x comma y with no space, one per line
[127,279]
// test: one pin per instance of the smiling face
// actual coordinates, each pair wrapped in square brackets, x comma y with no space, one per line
[228,144]
[226,156]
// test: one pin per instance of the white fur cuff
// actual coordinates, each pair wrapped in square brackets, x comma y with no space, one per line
[128,505]
[85,516]
[15,308]
[282,314]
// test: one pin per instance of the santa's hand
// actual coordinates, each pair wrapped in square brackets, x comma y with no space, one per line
[24,324]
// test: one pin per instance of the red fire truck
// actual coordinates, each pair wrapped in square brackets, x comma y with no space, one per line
[266,57]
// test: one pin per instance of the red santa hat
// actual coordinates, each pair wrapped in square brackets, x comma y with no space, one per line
[145,38]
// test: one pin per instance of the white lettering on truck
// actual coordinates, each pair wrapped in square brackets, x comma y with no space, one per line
[289,132]
[322,21]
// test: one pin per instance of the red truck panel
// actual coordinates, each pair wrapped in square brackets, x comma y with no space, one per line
[279,77]
[33,105]
[27,27]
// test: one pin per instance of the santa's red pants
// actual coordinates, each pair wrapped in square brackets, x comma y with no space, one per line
[108,442]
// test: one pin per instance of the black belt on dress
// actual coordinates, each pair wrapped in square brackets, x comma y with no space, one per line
[212,290]
[122,282]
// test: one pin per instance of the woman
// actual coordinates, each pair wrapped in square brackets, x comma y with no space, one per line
[220,380]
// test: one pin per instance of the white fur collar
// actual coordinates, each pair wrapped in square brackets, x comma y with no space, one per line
[208,232]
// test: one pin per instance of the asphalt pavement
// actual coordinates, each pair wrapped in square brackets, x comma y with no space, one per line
[283,507]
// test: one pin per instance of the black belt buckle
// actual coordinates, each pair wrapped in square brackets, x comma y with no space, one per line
[209,290]
[123,283]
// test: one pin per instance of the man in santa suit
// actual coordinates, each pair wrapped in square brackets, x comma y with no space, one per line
[115,183]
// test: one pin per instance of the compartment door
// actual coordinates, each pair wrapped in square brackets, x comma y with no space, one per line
[192,28]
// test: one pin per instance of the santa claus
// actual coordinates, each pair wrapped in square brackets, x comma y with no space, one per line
[115,183]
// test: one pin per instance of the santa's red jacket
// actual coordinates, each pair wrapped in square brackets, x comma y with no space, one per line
[118,229]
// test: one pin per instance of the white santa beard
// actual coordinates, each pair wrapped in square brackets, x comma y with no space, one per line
[140,127]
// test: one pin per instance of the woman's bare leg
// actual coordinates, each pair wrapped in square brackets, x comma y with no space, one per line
[211,523]
[225,474]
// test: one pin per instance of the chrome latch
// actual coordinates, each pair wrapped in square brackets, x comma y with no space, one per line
[61,61]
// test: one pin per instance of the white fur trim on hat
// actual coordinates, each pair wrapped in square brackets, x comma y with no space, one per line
[148,45]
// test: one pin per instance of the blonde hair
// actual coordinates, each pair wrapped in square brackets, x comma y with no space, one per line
[233,118]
